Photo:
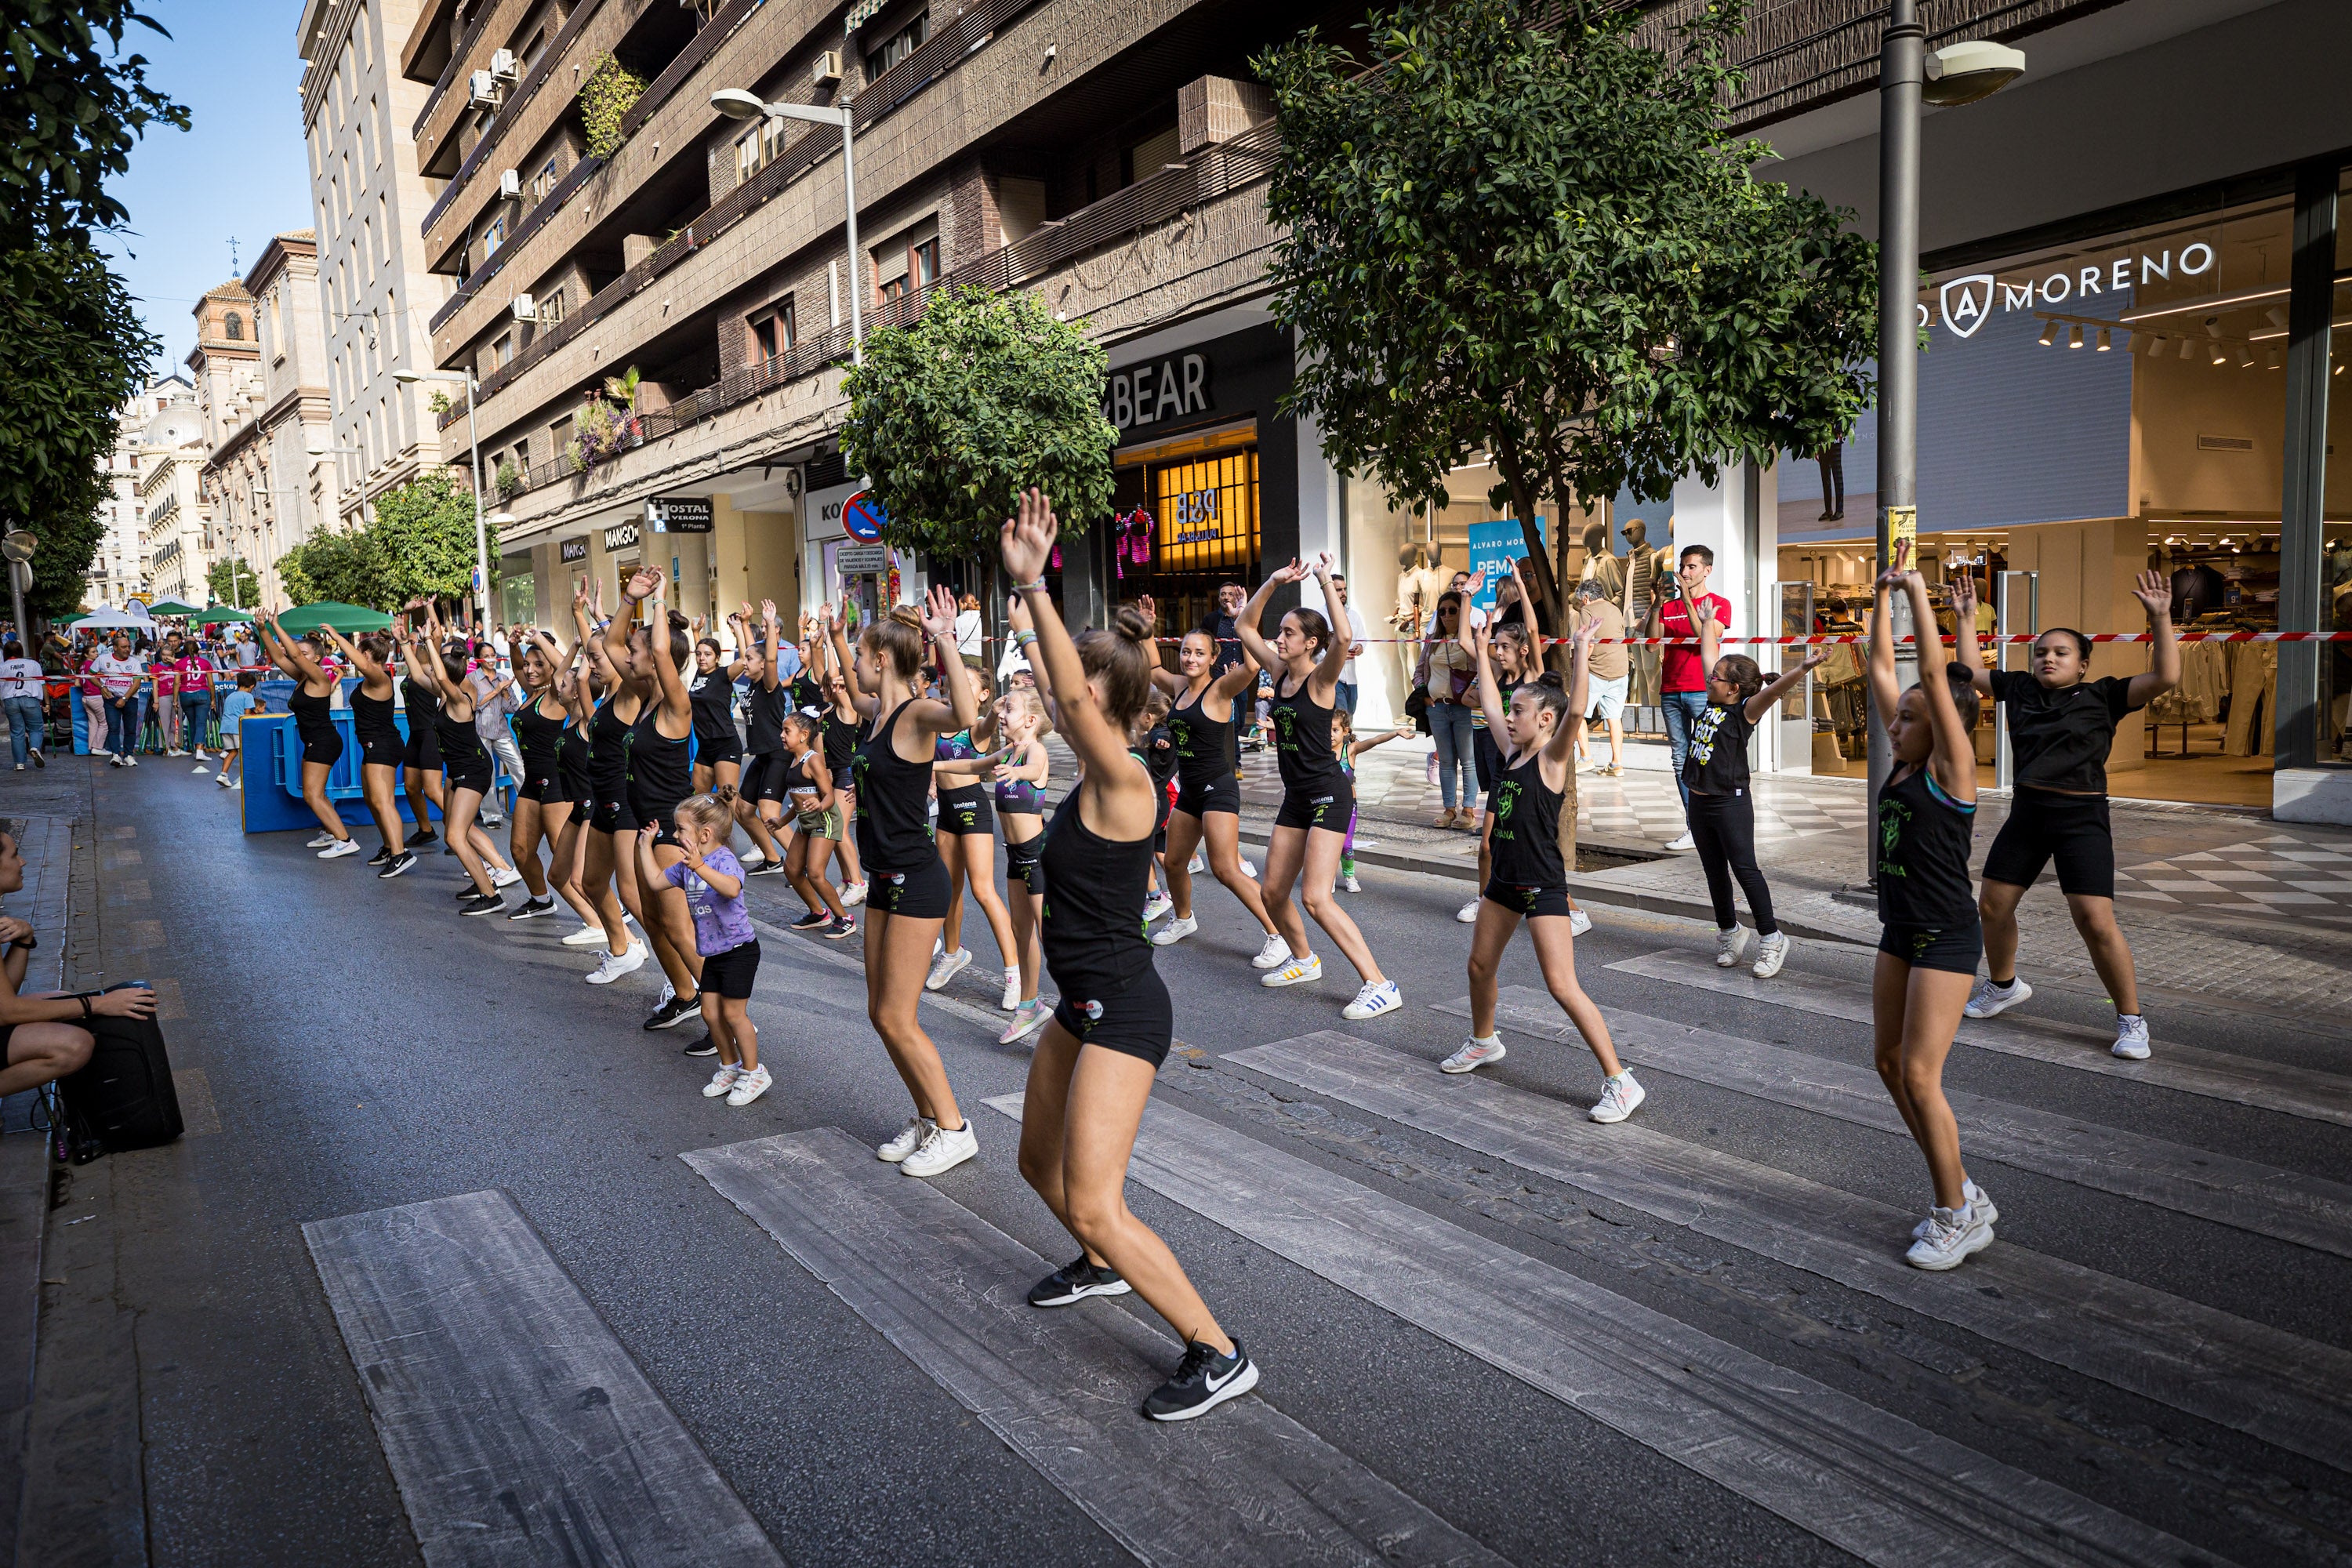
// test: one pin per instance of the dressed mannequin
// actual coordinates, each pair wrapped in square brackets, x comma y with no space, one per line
[1419,583]
[1600,565]
[1641,598]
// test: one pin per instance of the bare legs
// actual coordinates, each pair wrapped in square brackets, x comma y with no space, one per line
[1314,853]
[2094,917]
[562,822]
[421,786]
[1915,1012]
[1078,1121]
[314,795]
[668,924]
[729,1020]
[598,858]
[378,780]
[1222,831]
[971,857]
[897,957]
[1555,947]
[523,833]
[804,867]
[464,804]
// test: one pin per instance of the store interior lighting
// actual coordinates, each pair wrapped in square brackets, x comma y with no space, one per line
[2074,336]
[2187,348]
[2272,355]
[2106,339]
[2048,333]
[2155,345]
[2246,356]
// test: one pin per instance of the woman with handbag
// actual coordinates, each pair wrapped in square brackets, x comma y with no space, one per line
[1450,677]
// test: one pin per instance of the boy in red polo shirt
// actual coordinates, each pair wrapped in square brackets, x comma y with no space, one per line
[1682,676]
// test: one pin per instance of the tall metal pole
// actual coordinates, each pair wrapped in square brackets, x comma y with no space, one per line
[857,273]
[18,571]
[482,539]
[1899,57]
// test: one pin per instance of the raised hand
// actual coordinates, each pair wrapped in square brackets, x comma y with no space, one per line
[767,610]
[1477,585]
[1582,638]
[1814,658]
[1322,565]
[645,584]
[1027,538]
[1290,573]
[1701,612]
[1150,609]
[1018,614]
[2155,595]
[1897,572]
[938,611]
[1964,597]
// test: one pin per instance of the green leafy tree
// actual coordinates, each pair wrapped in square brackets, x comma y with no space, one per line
[233,582]
[347,568]
[423,539]
[69,115]
[606,96]
[954,416]
[1539,243]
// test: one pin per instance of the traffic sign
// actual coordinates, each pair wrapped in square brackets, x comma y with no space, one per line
[862,517]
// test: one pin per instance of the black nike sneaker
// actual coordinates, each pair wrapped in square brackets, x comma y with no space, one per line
[1075,1282]
[1203,1381]
[674,1012]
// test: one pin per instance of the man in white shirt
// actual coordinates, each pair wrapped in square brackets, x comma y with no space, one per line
[119,672]
[20,694]
[1345,695]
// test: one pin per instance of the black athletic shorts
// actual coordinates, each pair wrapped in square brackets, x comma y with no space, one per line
[423,750]
[730,973]
[1139,1022]
[841,777]
[968,817]
[473,774]
[325,746]
[1956,949]
[1485,758]
[545,788]
[1020,864]
[920,894]
[611,817]
[764,776]
[2042,827]
[381,752]
[1223,793]
[727,748]
[1325,807]
[1521,900]
[665,831]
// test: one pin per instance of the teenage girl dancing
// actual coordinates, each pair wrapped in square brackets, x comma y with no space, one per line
[1533,764]
[1722,809]
[542,803]
[759,799]
[1203,716]
[374,726]
[807,784]
[314,725]
[907,885]
[1018,771]
[572,772]
[465,766]
[660,774]
[420,753]
[1929,950]
[711,691]
[1318,798]
[967,838]
[2061,728]
[611,823]
[1099,1056]
[841,734]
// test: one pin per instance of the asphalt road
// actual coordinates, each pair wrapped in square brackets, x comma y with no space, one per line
[362,1048]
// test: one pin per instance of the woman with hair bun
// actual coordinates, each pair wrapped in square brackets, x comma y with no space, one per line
[660,774]
[465,766]
[1099,1056]
[379,745]
[322,745]
[1318,799]
[905,880]
[1722,809]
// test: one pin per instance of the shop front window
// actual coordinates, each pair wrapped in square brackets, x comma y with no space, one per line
[1186,522]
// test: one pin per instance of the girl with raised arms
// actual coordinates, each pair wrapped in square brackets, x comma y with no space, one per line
[314,724]
[1203,714]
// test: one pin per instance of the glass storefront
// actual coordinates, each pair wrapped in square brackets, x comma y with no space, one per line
[1188,521]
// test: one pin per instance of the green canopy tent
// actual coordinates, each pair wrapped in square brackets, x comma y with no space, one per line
[174,607]
[345,618]
[78,615]
[221,615]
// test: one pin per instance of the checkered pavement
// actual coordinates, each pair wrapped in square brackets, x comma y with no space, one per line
[2280,875]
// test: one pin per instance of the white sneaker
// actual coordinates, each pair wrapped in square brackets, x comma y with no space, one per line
[1155,906]
[225,782]
[1374,999]
[1297,971]
[2131,1037]
[199,754]
[1728,944]
[321,842]
[1174,931]
[1474,1054]
[586,936]
[504,878]
[1771,954]
[200,768]
[1198,865]
[1276,951]
[1952,1234]
[1974,1197]
[941,1149]
[338,849]
[1684,842]
[1349,885]
[750,1086]
[1249,868]
[1578,922]
[175,751]
[853,895]
[1011,998]
[615,965]
[909,1139]
[755,855]
[239,785]
[946,966]
[1987,1000]
[1468,913]
[130,760]
[1027,1019]
[1620,1098]
[722,1080]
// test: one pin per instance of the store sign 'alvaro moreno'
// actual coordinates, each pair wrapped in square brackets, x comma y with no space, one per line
[1967,303]
[1157,391]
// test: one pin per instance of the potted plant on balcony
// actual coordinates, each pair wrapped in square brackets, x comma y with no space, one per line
[508,480]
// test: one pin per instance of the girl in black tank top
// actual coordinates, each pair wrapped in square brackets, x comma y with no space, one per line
[462,761]
[543,804]
[758,806]
[907,887]
[381,748]
[602,705]
[717,749]
[1535,736]
[660,750]
[323,746]
[1114,1012]
[1207,814]
[1318,797]
[1931,941]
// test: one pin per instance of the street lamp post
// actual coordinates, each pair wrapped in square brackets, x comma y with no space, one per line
[737,104]
[473,439]
[1908,76]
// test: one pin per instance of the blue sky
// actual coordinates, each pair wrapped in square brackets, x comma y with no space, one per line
[239,172]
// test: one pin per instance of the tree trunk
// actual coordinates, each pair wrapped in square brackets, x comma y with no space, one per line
[1542,583]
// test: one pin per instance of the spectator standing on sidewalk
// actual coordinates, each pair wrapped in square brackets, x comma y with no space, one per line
[1682,676]
[20,693]
[1346,690]
[119,671]
[1611,670]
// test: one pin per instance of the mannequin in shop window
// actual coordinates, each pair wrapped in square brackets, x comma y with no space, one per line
[1831,460]
[1600,565]
[1419,583]
[1640,597]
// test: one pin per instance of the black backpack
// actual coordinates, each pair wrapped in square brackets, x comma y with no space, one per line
[124,1099]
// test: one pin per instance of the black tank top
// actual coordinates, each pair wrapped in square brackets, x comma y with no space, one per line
[371,719]
[713,697]
[539,737]
[1923,855]
[423,706]
[312,717]
[661,770]
[1203,747]
[1302,741]
[768,711]
[1527,827]
[959,747]
[894,817]
[608,752]
[840,742]
[1092,925]
[572,763]
[459,743]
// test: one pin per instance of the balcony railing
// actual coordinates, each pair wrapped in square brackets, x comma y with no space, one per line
[1211,173]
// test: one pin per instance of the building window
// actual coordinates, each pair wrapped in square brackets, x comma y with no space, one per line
[235,328]
[910,262]
[772,332]
[550,308]
[503,350]
[493,237]
[747,154]
[899,46]
[544,183]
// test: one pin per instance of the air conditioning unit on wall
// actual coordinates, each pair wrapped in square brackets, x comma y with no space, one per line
[525,308]
[509,184]
[827,68]
[485,88]
[502,65]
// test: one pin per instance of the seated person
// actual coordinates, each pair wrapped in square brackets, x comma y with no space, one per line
[41,1034]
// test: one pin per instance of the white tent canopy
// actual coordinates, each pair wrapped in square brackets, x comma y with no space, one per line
[107,618]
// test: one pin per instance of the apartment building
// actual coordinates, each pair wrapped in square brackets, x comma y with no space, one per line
[167,489]
[261,387]
[1112,160]
[368,196]
[161,417]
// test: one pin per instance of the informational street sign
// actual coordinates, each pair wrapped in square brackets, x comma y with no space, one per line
[862,518]
[856,560]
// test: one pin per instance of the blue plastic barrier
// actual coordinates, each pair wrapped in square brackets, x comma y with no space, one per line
[273,775]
